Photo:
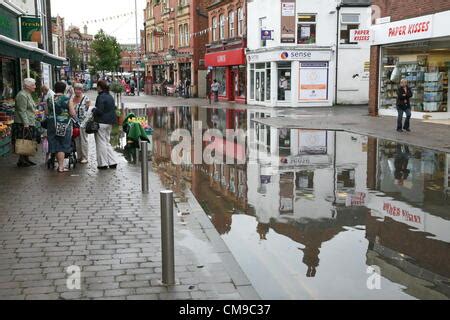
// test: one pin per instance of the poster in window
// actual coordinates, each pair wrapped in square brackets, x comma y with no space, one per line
[313,82]
[305,32]
[288,21]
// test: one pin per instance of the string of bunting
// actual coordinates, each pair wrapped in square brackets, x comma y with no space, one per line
[110,18]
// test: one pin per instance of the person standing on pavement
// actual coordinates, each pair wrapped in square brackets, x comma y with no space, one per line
[187,86]
[25,117]
[105,114]
[215,87]
[60,111]
[404,94]
[82,108]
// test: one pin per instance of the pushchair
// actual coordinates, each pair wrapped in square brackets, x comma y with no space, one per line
[72,155]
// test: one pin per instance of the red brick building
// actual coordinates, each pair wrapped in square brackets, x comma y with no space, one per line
[225,57]
[129,58]
[412,42]
[176,36]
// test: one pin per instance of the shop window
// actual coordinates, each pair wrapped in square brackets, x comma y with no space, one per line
[222,26]
[426,67]
[240,74]
[7,81]
[284,81]
[348,22]
[220,76]
[252,81]
[306,29]
[231,24]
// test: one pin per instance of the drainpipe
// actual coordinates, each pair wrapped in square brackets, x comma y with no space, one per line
[338,11]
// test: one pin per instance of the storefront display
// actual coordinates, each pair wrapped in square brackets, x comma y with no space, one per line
[220,77]
[295,78]
[426,67]
[228,68]
[417,50]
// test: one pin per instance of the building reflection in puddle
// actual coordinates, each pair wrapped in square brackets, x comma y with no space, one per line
[310,210]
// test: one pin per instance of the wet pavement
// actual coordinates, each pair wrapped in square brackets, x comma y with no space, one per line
[318,214]
[301,214]
[101,223]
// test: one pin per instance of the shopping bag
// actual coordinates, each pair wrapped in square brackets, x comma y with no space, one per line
[24,147]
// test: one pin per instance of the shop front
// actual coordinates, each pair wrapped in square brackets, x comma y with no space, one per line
[229,69]
[291,78]
[417,50]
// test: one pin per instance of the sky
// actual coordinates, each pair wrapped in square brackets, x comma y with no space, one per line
[123,28]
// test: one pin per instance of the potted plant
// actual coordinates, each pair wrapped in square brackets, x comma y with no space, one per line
[118,89]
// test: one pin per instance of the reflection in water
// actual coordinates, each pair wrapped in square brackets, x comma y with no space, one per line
[311,210]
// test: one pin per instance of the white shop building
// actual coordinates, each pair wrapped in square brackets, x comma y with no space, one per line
[417,50]
[293,53]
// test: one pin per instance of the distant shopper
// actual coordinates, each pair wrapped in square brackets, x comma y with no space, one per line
[187,88]
[47,93]
[105,114]
[25,118]
[60,124]
[82,106]
[215,87]
[404,94]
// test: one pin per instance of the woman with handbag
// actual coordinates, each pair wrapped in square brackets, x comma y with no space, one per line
[24,121]
[59,127]
[82,108]
[105,115]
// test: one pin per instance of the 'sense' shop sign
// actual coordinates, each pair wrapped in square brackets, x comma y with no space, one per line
[404,30]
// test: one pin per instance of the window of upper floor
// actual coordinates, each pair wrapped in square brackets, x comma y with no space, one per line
[231,25]
[214,29]
[222,27]
[240,16]
[306,28]
[349,21]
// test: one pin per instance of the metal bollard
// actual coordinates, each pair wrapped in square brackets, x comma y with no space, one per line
[144,166]
[167,238]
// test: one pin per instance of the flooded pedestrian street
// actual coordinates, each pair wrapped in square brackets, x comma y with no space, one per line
[311,214]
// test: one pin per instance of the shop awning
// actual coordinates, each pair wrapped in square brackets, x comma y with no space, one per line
[16,49]
[225,58]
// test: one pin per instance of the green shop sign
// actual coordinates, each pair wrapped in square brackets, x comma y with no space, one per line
[31,29]
[9,24]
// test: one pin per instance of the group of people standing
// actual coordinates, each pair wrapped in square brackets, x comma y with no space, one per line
[66,109]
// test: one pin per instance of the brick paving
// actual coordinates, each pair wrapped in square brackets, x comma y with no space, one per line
[102,223]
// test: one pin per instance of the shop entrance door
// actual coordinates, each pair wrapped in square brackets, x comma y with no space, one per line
[260,84]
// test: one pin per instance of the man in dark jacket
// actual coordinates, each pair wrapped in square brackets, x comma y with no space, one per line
[404,94]
[105,114]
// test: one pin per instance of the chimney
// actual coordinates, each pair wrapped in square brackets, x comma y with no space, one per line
[85,29]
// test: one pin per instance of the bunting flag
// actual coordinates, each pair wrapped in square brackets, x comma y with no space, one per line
[103,19]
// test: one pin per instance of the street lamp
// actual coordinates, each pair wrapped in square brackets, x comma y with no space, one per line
[138,66]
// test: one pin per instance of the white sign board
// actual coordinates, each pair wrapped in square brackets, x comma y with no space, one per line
[288,9]
[360,35]
[404,30]
[313,82]
[291,55]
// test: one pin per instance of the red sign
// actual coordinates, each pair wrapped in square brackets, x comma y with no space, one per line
[395,211]
[360,35]
[225,58]
[408,29]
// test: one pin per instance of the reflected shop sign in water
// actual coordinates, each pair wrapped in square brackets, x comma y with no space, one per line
[311,214]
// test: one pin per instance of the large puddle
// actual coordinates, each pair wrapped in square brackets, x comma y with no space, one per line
[319,214]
